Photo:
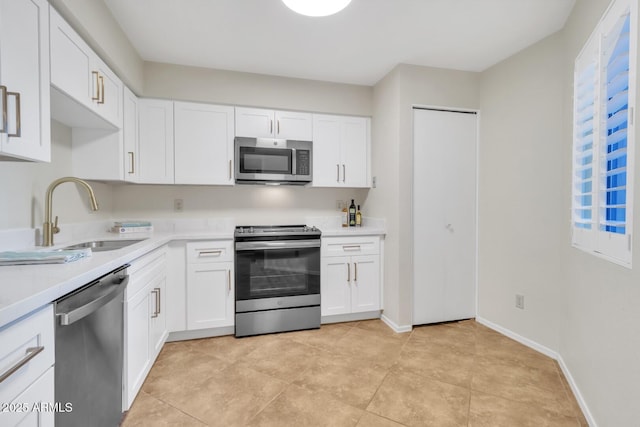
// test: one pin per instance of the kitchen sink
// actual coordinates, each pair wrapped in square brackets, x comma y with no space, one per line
[103,245]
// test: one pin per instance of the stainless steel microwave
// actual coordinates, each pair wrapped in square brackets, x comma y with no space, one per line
[272,161]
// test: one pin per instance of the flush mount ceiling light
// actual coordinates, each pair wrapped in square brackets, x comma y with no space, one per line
[316,7]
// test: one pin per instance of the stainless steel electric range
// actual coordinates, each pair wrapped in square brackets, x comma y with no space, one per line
[277,279]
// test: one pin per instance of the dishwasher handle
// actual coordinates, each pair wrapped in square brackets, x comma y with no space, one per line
[91,299]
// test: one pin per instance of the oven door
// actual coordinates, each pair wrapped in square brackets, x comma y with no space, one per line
[278,271]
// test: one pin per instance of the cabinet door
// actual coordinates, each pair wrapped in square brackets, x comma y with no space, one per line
[203,144]
[210,295]
[254,122]
[138,347]
[365,289]
[158,316]
[155,163]
[335,286]
[71,62]
[130,135]
[109,104]
[291,125]
[355,151]
[41,392]
[327,167]
[24,72]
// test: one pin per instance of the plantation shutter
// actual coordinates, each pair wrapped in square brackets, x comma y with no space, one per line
[604,136]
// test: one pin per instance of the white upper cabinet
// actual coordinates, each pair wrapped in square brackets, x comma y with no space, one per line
[156,158]
[78,73]
[130,135]
[261,123]
[341,151]
[203,144]
[25,129]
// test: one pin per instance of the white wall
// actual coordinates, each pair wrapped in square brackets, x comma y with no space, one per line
[23,186]
[248,204]
[236,88]
[600,321]
[523,214]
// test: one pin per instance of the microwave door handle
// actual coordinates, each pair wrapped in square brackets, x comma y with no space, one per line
[293,162]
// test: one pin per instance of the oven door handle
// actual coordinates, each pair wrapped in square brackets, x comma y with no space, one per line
[279,244]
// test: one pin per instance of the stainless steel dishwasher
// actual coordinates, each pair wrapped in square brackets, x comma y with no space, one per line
[89,352]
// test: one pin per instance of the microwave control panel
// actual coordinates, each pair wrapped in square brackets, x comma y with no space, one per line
[302,162]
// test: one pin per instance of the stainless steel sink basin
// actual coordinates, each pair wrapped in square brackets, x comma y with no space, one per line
[103,245]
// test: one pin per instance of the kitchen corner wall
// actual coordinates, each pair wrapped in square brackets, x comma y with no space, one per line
[23,186]
[392,135]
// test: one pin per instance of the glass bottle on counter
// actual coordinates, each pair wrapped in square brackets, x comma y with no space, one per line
[358,217]
[352,214]
[345,216]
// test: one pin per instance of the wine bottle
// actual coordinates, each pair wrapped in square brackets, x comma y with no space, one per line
[358,217]
[352,214]
[345,216]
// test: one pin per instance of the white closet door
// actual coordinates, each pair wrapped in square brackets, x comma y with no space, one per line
[444,215]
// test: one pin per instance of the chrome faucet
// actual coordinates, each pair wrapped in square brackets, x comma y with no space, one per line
[50,228]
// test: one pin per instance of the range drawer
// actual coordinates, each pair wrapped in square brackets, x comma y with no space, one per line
[209,251]
[29,340]
[347,246]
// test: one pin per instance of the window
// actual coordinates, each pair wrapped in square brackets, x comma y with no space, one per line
[604,136]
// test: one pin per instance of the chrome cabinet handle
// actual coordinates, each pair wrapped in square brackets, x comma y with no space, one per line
[350,247]
[230,169]
[155,310]
[278,127]
[337,173]
[229,281]
[355,273]
[210,253]
[4,128]
[271,127]
[348,272]
[132,169]
[18,132]
[30,354]
[159,300]
[344,173]
[101,92]
[97,86]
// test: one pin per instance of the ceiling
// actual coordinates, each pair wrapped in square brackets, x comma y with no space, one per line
[359,45]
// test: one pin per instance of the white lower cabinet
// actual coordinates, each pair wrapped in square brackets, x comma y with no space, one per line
[27,393]
[145,320]
[210,284]
[350,275]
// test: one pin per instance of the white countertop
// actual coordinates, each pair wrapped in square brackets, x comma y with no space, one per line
[25,288]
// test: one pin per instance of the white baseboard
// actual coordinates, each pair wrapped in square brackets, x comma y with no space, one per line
[574,387]
[547,352]
[396,328]
[522,340]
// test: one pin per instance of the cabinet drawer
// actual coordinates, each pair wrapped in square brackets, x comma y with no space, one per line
[144,269]
[209,251]
[346,246]
[20,341]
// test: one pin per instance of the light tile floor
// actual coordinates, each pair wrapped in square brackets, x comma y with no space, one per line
[356,374]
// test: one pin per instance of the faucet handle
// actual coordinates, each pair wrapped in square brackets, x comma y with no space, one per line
[55,229]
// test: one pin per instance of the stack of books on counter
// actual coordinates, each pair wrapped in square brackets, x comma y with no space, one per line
[123,227]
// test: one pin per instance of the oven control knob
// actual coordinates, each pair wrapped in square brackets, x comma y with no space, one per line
[240,230]
[306,229]
[251,230]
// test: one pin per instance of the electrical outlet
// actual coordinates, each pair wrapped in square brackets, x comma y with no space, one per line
[178,205]
[374,181]
[520,301]
[339,205]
